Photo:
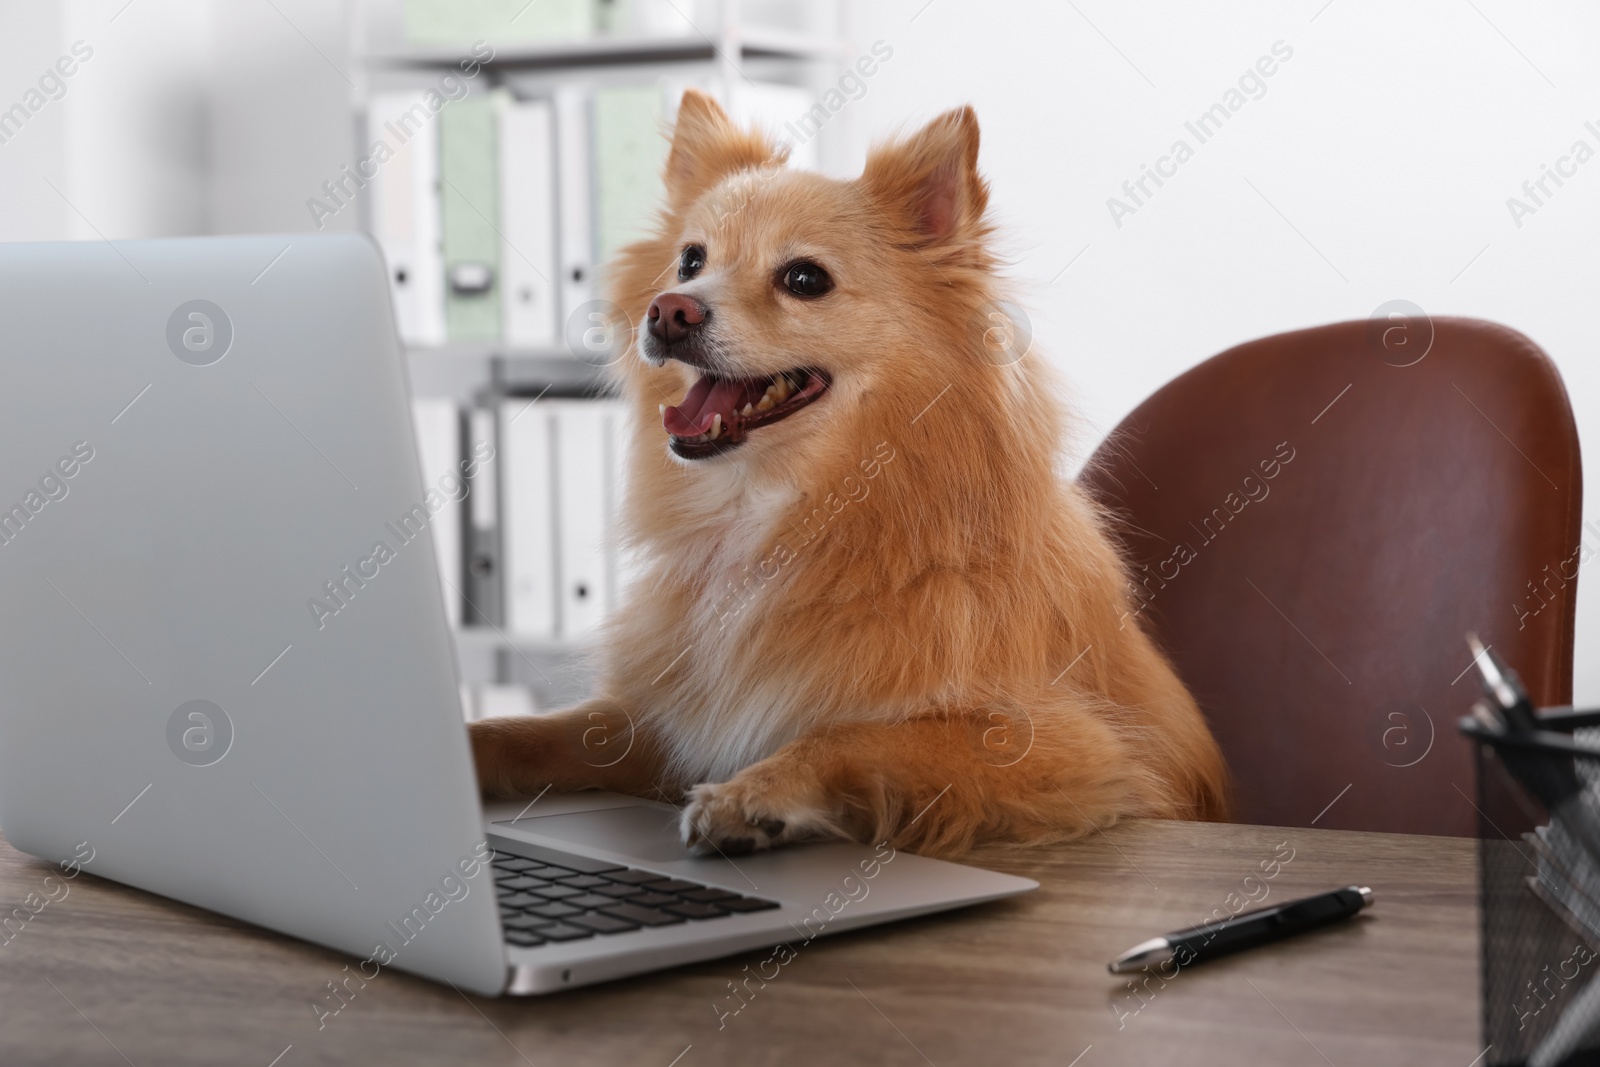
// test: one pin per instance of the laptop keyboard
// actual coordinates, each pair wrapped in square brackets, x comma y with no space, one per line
[548,896]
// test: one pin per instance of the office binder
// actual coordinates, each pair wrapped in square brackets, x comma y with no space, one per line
[405,212]
[582,478]
[574,203]
[622,566]
[528,296]
[629,155]
[528,533]
[469,199]
[439,445]
[484,596]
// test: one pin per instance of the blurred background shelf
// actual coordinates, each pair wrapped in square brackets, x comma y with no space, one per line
[466,370]
[492,639]
[554,674]
[750,43]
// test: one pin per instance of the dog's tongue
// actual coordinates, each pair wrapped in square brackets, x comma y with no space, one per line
[707,398]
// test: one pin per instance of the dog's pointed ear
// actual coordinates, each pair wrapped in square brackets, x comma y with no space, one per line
[929,182]
[707,147]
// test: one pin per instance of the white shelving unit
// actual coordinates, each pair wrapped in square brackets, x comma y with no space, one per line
[748,43]
[721,46]
[465,369]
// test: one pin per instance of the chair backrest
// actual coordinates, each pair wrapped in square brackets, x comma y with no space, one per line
[1313,522]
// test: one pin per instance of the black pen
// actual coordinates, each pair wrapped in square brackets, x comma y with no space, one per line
[1245,930]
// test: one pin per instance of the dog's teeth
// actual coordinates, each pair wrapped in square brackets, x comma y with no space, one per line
[747,410]
[663,410]
[782,389]
[766,403]
[716,427]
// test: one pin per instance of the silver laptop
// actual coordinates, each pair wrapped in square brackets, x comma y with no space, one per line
[202,438]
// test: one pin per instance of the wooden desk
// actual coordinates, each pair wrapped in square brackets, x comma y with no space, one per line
[1016,982]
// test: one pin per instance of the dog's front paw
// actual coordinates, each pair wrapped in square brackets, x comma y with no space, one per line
[489,756]
[735,817]
[507,756]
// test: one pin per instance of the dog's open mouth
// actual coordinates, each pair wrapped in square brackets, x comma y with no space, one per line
[719,413]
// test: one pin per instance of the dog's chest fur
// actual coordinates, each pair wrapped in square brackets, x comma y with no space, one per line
[722,710]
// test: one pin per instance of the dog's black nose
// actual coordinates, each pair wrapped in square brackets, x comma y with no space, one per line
[674,316]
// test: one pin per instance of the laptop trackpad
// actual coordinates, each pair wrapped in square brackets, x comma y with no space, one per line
[641,830]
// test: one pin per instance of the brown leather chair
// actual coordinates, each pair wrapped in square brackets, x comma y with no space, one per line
[1314,521]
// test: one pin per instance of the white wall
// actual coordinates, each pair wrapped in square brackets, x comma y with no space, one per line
[281,120]
[1391,140]
[30,40]
[191,116]
[123,138]
[136,139]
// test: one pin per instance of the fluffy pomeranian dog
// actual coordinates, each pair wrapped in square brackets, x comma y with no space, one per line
[868,606]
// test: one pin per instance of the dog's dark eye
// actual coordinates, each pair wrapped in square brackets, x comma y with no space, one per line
[691,262]
[806,279]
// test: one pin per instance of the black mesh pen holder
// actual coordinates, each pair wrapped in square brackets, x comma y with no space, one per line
[1539,883]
